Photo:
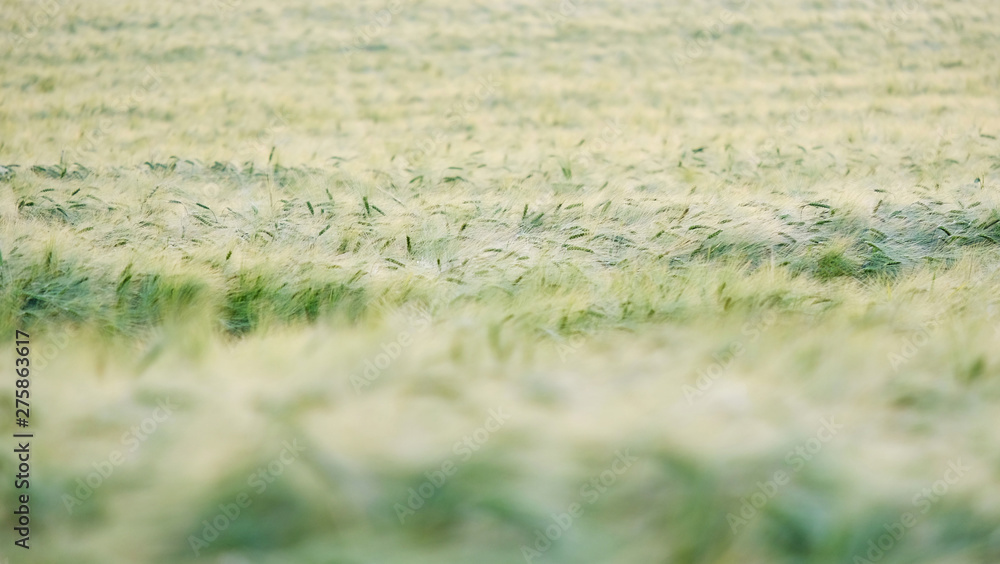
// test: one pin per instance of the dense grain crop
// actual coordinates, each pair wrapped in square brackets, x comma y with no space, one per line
[557,281]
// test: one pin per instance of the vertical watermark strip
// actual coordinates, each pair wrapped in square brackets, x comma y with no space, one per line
[22,415]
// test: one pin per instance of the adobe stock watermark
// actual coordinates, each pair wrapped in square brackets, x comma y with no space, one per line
[912,344]
[902,13]
[457,115]
[52,347]
[131,439]
[723,360]
[417,319]
[259,480]
[924,500]
[464,449]
[921,337]
[378,22]
[27,27]
[796,459]
[561,14]
[589,493]
[567,347]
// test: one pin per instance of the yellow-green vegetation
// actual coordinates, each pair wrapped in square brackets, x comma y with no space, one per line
[583,281]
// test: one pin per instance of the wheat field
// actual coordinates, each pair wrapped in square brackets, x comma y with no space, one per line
[556,282]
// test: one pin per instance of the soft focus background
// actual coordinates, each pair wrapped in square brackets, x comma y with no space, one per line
[420,281]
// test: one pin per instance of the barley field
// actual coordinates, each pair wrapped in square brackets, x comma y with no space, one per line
[415,281]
